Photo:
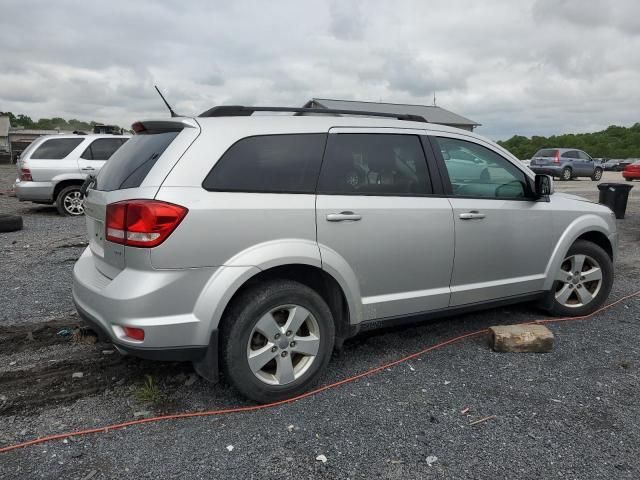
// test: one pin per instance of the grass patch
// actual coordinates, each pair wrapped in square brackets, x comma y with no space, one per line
[149,391]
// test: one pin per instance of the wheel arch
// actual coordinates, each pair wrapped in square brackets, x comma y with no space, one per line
[313,277]
[65,183]
[294,259]
[587,227]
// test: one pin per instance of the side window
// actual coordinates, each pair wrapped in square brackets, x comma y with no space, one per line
[56,148]
[584,156]
[102,149]
[374,164]
[570,154]
[476,171]
[269,164]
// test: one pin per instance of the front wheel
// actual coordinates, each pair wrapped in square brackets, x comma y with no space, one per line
[597,175]
[70,201]
[276,340]
[583,281]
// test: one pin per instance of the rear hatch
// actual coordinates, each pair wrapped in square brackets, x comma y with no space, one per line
[545,156]
[135,171]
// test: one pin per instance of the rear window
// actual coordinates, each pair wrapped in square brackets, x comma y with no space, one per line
[56,148]
[269,164]
[131,163]
[546,153]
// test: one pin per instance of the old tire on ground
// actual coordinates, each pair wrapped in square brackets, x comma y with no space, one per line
[583,282]
[597,175]
[275,340]
[566,174]
[69,201]
[10,223]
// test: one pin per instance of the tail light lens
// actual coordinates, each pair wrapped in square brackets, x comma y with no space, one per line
[25,175]
[142,223]
[557,157]
[134,333]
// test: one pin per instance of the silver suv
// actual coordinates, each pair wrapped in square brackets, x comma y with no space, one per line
[261,242]
[53,168]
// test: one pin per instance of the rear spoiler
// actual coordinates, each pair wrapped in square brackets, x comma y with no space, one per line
[159,126]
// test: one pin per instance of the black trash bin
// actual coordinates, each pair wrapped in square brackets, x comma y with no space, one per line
[614,196]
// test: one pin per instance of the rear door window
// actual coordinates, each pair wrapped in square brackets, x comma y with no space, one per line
[374,164]
[131,163]
[56,148]
[570,154]
[102,148]
[269,164]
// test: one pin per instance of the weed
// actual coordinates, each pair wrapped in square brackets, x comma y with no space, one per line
[149,392]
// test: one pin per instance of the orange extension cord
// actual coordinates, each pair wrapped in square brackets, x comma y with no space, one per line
[299,397]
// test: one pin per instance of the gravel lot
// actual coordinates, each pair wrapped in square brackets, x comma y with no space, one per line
[572,413]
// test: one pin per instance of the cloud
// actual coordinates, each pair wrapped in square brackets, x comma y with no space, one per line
[526,67]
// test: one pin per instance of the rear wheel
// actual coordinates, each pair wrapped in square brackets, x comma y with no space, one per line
[583,281]
[597,175]
[566,174]
[276,339]
[70,201]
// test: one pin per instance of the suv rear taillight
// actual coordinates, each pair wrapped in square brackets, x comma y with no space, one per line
[25,175]
[142,223]
[556,159]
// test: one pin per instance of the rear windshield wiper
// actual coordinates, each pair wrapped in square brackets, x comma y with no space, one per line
[90,181]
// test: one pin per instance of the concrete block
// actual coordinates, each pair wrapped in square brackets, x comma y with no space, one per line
[521,338]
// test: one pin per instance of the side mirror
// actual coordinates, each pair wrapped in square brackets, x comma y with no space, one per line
[543,185]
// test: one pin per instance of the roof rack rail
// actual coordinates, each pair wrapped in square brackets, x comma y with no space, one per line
[240,111]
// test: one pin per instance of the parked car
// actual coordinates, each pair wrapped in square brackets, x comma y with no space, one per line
[616,165]
[53,168]
[632,172]
[261,242]
[565,163]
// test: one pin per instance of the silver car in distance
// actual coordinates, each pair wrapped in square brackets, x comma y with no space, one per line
[254,244]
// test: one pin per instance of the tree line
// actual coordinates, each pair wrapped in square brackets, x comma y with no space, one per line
[24,121]
[613,142]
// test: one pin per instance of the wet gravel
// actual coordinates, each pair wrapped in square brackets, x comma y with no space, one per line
[572,413]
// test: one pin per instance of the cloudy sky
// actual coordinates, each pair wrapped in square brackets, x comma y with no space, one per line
[516,66]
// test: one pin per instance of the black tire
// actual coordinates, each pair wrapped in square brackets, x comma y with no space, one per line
[64,209]
[597,175]
[10,223]
[237,327]
[596,252]
[566,174]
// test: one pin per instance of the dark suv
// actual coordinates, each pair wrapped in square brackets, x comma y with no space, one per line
[565,163]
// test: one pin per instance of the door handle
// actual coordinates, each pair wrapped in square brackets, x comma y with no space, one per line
[343,216]
[88,169]
[472,215]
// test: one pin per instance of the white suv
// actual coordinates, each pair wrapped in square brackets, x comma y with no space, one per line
[53,168]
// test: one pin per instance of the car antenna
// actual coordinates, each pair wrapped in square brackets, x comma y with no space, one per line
[173,114]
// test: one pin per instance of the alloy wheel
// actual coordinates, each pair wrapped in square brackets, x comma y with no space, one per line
[73,203]
[578,282]
[283,344]
[566,174]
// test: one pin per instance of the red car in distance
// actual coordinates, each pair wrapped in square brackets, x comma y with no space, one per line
[632,171]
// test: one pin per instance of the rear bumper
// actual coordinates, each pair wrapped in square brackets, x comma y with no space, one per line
[159,302]
[552,170]
[34,191]
[173,354]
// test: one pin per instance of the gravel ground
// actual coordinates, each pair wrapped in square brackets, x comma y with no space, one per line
[568,414]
